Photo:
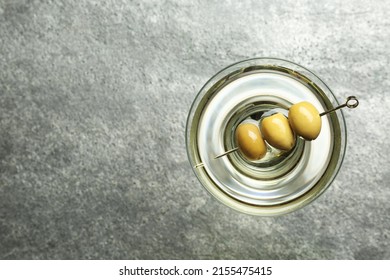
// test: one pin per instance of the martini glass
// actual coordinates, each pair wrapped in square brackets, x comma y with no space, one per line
[281,182]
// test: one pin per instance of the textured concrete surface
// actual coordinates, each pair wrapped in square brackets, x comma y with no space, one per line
[94,97]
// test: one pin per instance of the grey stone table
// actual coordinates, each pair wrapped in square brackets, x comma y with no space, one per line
[94,97]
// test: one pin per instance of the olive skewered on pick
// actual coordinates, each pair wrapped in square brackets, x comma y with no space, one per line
[277,132]
[303,119]
[250,142]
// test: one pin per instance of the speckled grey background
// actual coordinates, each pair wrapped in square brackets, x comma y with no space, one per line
[94,97]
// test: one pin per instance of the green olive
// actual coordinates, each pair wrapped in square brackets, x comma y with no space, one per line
[305,120]
[250,142]
[277,132]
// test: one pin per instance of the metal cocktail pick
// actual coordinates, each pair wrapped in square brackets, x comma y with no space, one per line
[351,102]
